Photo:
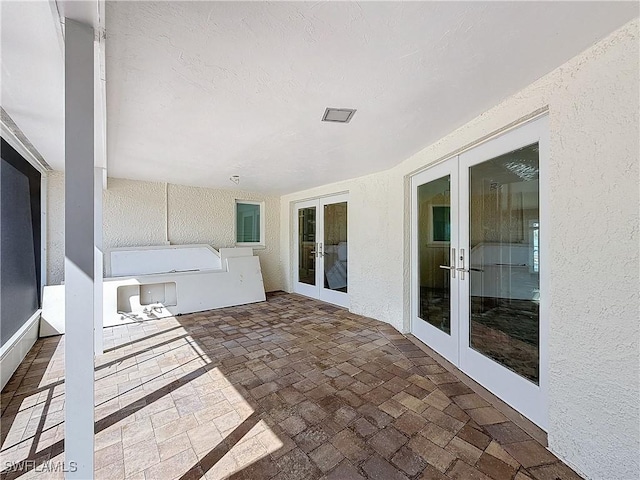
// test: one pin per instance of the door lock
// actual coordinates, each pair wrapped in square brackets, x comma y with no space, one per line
[461,269]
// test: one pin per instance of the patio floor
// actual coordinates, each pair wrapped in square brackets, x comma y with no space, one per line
[288,389]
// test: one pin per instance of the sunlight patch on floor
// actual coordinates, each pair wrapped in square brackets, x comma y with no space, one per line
[259,442]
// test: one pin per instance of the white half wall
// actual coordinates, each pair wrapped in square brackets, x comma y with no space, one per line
[593,102]
[137,214]
[14,351]
[143,297]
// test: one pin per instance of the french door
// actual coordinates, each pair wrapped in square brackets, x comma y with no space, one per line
[321,249]
[479,288]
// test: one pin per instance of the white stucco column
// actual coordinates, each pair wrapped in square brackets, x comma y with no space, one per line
[99,180]
[79,268]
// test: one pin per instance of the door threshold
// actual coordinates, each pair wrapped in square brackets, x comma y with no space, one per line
[516,417]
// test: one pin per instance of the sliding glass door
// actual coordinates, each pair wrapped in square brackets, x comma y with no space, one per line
[321,249]
[494,323]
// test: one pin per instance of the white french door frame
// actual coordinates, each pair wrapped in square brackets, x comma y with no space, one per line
[318,290]
[529,399]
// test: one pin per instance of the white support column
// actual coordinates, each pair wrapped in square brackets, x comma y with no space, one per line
[100,176]
[99,181]
[79,265]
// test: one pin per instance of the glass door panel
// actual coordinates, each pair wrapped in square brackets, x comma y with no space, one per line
[335,247]
[504,215]
[434,253]
[434,318]
[307,245]
[334,250]
[305,255]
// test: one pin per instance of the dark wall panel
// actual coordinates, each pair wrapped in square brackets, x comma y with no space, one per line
[18,278]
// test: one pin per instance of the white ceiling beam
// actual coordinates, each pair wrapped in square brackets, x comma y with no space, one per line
[84,11]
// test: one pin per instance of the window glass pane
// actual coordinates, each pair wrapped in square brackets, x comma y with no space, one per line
[247,223]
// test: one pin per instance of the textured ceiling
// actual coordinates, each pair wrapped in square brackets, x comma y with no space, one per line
[199,91]
[32,81]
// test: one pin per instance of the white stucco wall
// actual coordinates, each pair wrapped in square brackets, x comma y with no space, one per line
[593,103]
[134,215]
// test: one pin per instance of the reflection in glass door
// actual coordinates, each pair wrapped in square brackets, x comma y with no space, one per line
[307,245]
[335,247]
[434,244]
[321,249]
[504,286]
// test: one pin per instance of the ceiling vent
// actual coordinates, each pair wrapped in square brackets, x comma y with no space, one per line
[340,115]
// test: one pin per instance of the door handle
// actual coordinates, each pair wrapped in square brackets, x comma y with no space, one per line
[451,268]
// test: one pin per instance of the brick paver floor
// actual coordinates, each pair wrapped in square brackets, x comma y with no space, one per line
[288,389]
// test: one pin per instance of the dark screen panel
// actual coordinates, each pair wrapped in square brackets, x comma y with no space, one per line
[16,160]
[19,270]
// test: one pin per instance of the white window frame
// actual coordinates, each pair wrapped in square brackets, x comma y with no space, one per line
[261,243]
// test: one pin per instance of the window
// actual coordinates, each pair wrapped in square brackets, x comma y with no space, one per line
[249,222]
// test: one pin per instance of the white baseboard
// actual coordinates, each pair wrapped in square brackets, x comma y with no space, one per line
[13,352]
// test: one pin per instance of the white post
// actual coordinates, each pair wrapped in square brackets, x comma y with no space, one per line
[99,180]
[100,175]
[79,266]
